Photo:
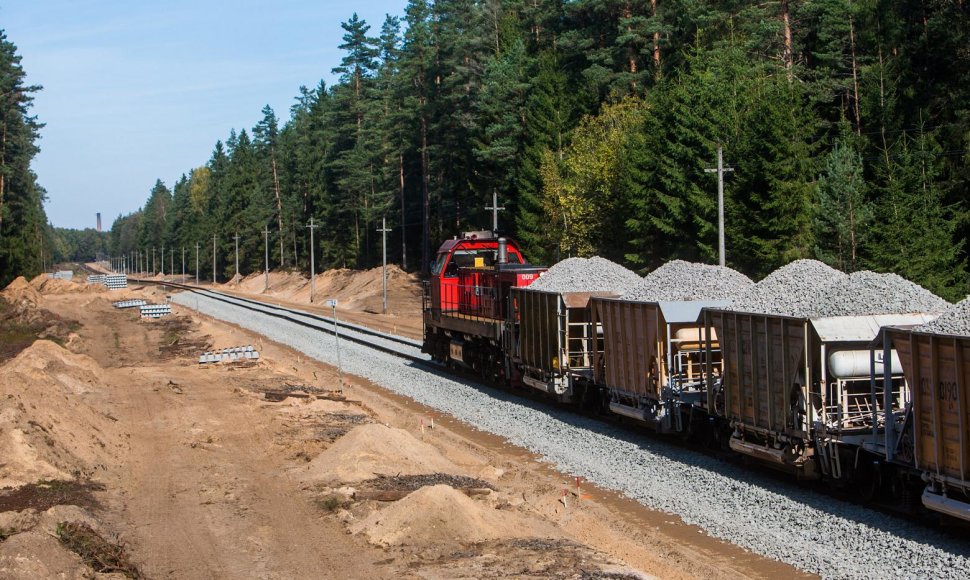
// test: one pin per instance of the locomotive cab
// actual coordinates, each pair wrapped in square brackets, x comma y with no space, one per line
[466,300]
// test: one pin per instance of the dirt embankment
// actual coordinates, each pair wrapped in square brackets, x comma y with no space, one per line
[359,294]
[121,449]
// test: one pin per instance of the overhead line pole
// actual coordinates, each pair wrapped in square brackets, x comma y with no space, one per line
[236,237]
[197,263]
[495,209]
[183,264]
[266,250]
[384,229]
[721,170]
[313,268]
[213,259]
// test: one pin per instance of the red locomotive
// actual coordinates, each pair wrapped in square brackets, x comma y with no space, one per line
[468,298]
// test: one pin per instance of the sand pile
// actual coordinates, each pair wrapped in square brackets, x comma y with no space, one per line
[59,286]
[359,290]
[33,550]
[21,293]
[438,515]
[48,429]
[371,450]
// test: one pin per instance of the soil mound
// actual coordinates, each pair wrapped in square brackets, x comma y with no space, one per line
[48,428]
[59,286]
[439,515]
[373,449]
[20,292]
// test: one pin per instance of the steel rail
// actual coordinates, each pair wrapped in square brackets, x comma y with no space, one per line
[326,323]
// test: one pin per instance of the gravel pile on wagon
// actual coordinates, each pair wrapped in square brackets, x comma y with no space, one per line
[791,290]
[811,289]
[586,275]
[868,293]
[680,280]
[954,320]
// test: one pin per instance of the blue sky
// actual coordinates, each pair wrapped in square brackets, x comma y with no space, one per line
[138,91]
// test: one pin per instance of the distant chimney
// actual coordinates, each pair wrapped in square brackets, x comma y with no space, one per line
[99,221]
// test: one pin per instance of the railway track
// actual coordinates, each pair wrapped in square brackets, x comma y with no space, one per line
[394,345]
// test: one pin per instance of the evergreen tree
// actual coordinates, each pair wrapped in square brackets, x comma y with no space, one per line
[22,219]
[843,212]
[915,229]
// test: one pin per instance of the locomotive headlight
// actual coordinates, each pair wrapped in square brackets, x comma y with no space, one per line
[555,362]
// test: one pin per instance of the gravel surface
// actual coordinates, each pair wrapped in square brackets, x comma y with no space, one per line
[954,320]
[774,518]
[586,275]
[680,280]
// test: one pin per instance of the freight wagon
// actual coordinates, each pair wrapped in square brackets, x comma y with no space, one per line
[552,341]
[927,432]
[797,392]
[653,363]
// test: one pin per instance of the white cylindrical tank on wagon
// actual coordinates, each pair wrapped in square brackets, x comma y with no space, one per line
[845,364]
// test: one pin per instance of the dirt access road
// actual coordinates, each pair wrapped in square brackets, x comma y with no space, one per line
[202,477]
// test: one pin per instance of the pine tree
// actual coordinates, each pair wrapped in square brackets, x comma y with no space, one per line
[22,219]
[843,212]
[915,230]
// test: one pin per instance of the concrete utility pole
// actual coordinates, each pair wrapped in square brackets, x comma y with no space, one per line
[197,263]
[332,303]
[495,209]
[236,237]
[313,266]
[384,229]
[154,269]
[163,261]
[213,259]
[266,250]
[183,264]
[720,201]
[171,261]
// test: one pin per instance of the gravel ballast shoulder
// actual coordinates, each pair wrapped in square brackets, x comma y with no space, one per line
[777,519]
[680,280]
[586,275]
[955,320]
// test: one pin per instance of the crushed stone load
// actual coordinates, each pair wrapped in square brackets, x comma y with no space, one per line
[586,275]
[954,320]
[791,290]
[869,293]
[811,289]
[680,280]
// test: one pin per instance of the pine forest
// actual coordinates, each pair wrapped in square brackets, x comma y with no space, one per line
[594,123]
